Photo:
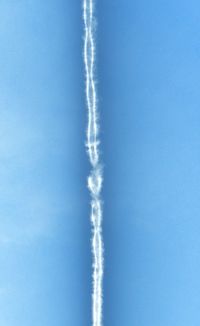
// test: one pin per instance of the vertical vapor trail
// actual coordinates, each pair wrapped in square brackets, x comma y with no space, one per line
[95,178]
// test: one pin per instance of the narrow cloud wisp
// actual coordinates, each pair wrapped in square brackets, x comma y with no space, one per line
[95,178]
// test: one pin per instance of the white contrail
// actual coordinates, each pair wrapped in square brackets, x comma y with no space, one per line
[95,179]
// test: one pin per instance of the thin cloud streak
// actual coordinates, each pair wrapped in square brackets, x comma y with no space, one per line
[95,178]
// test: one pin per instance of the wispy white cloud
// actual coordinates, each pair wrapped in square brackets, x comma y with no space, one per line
[95,179]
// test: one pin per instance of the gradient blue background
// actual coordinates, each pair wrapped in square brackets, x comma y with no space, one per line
[149,85]
[148,81]
[45,261]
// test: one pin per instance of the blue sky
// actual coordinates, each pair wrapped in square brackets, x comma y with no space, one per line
[149,61]
[148,83]
[44,226]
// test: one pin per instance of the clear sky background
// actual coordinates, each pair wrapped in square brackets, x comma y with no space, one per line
[148,82]
[44,227]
